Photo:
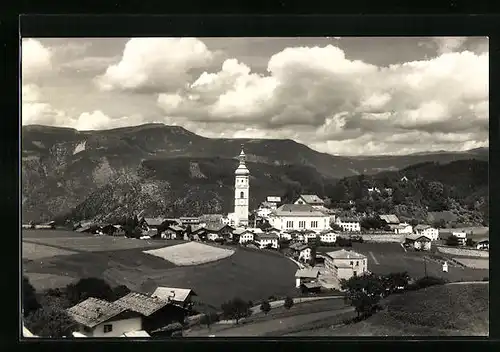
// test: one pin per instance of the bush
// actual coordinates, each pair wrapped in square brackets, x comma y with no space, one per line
[51,322]
[452,241]
[89,287]
[288,302]
[265,307]
[29,303]
[426,281]
[236,309]
[209,319]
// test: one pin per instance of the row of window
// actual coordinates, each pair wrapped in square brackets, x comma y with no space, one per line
[302,224]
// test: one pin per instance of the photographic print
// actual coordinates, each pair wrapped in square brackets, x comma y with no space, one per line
[256,187]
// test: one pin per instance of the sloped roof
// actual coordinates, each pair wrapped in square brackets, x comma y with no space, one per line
[83,228]
[299,246]
[483,239]
[422,227]
[211,217]
[141,303]
[311,285]
[176,228]
[93,311]
[307,273]
[176,294]
[389,218]
[266,236]
[345,219]
[215,226]
[140,333]
[154,221]
[415,236]
[78,334]
[312,199]
[344,254]
[298,210]
[241,231]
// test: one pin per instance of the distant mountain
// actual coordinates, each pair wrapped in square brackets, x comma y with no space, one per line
[64,169]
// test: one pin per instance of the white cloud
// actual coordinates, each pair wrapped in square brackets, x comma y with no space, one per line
[449,44]
[156,63]
[35,59]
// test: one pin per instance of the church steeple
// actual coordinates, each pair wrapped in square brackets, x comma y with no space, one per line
[242,156]
[242,168]
[241,191]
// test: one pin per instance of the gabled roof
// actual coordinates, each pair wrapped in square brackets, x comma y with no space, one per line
[211,217]
[140,333]
[297,210]
[266,236]
[216,226]
[141,303]
[310,285]
[154,221]
[312,199]
[176,294]
[344,254]
[389,218]
[307,273]
[93,311]
[84,228]
[344,219]
[416,236]
[422,227]
[176,228]
[481,240]
[299,246]
[241,231]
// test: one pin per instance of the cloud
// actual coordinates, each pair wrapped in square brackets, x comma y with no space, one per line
[152,64]
[35,111]
[35,59]
[449,44]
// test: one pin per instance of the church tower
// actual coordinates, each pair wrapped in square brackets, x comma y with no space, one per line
[241,192]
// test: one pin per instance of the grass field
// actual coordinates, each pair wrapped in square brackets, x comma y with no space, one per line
[384,258]
[448,310]
[34,251]
[474,263]
[191,253]
[248,274]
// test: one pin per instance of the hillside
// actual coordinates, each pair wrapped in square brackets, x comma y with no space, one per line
[459,187]
[448,310]
[63,169]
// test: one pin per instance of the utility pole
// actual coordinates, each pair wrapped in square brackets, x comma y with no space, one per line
[425,267]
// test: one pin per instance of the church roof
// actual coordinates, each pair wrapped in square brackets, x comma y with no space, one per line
[297,210]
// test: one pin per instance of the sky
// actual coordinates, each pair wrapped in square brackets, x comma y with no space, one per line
[339,95]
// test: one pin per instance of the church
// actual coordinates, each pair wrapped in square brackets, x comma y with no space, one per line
[239,218]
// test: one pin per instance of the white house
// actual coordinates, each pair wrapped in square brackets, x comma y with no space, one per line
[213,236]
[390,219]
[305,275]
[461,236]
[264,212]
[348,224]
[301,251]
[328,237]
[299,217]
[265,239]
[273,201]
[483,243]
[310,199]
[98,318]
[244,235]
[402,229]
[426,230]
[419,242]
[309,235]
[345,264]
[283,235]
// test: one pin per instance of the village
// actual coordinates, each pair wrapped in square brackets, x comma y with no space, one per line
[326,247]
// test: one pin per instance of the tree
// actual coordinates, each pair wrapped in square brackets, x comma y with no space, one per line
[89,287]
[29,303]
[413,222]
[452,241]
[288,302]
[120,291]
[469,242]
[50,322]
[265,307]
[209,318]
[439,224]
[236,309]
[335,227]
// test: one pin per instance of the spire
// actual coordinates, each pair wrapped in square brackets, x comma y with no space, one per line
[242,156]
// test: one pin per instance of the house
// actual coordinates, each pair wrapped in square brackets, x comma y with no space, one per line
[264,211]
[273,201]
[180,296]
[328,237]
[172,232]
[299,217]
[426,230]
[345,264]
[211,218]
[461,236]
[402,228]
[98,318]
[309,235]
[283,235]
[156,312]
[113,230]
[311,287]
[187,220]
[46,226]
[243,235]
[390,219]
[305,275]
[266,239]
[483,243]
[310,199]
[301,252]
[348,224]
[419,242]
[151,223]
[219,230]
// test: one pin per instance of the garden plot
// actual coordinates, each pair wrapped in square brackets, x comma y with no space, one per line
[474,263]
[34,251]
[191,253]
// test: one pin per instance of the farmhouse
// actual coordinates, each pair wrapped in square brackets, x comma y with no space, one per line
[243,235]
[306,275]
[309,235]
[428,231]
[299,217]
[98,318]
[310,199]
[419,242]
[264,211]
[266,239]
[483,243]
[390,219]
[311,287]
[172,232]
[156,313]
[180,296]
[346,264]
[219,230]
[328,237]
[461,236]
[273,201]
[402,228]
[284,235]
[113,230]
[151,223]
[348,224]
[301,252]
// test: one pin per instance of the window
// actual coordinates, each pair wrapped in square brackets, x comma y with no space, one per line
[302,224]
[108,328]
[352,263]
[357,262]
[289,224]
[314,224]
[242,195]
